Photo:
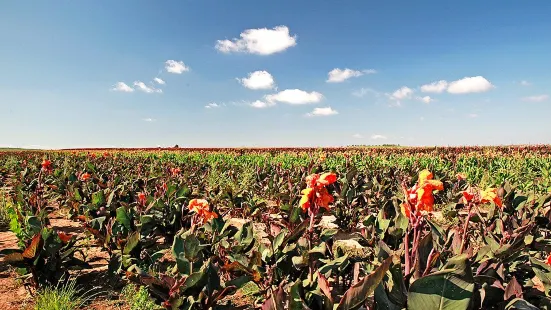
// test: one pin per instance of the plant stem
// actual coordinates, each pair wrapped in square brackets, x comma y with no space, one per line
[465,228]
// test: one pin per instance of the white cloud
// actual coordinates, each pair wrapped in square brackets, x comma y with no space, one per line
[146,89]
[402,93]
[261,41]
[177,67]
[378,137]
[475,84]
[525,83]
[121,86]
[159,81]
[473,115]
[149,119]
[258,80]
[340,75]
[295,96]
[538,98]
[364,91]
[262,104]
[435,87]
[322,112]
[357,136]
[426,99]
[214,105]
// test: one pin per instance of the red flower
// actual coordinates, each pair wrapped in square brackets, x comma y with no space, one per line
[175,171]
[47,166]
[549,260]
[141,199]
[64,237]
[85,177]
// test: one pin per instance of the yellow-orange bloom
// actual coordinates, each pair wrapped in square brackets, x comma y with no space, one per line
[420,197]
[202,208]
[425,199]
[490,195]
[483,196]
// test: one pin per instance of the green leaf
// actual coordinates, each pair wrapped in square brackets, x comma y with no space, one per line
[295,299]
[328,233]
[358,293]
[131,242]
[451,288]
[98,199]
[123,217]
[520,304]
[178,250]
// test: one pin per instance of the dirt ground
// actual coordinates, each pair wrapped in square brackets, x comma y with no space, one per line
[14,295]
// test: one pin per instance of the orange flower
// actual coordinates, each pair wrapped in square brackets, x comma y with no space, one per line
[316,195]
[420,196]
[47,166]
[85,176]
[202,208]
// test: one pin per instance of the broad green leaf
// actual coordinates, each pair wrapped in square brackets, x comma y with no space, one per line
[451,288]
[358,293]
[123,217]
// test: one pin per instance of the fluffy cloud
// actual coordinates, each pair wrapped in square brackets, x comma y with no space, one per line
[378,137]
[340,75]
[538,98]
[322,112]
[178,67]
[121,86]
[402,93]
[258,80]
[435,87]
[262,104]
[146,89]
[295,96]
[357,136]
[426,99]
[475,84]
[261,41]
[159,81]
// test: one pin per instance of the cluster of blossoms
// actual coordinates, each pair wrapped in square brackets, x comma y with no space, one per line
[202,209]
[316,194]
[478,196]
[420,197]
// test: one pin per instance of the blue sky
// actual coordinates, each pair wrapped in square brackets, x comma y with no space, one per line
[274,73]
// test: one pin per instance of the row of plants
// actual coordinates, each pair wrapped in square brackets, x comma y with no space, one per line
[219,231]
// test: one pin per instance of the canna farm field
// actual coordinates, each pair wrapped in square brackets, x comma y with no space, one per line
[322,228]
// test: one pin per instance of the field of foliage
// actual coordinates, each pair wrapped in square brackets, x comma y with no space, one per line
[338,228]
